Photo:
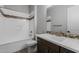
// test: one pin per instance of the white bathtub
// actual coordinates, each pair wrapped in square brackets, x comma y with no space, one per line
[14,34]
[16,46]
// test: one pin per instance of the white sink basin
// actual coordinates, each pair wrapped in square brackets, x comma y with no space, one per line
[57,38]
[54,38]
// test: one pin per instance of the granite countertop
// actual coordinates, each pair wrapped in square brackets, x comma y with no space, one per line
[69,35]
[66,42]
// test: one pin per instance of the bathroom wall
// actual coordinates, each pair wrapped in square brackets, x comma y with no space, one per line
[20,8]
[25,9]
[12,30]
[31,8]
[73,19]
[41,19]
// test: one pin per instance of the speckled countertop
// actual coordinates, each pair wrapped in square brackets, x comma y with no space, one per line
[68,43]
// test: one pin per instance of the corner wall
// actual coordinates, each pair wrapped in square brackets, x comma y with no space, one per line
[41,19]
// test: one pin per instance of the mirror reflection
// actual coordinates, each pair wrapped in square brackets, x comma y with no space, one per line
[64,20]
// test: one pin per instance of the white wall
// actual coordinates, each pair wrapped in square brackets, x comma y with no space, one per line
[41,19]
[73,19]
[25,9]
[12,29]
[20,8]
[31,8]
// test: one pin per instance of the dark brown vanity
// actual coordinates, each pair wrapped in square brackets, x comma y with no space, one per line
[48,47]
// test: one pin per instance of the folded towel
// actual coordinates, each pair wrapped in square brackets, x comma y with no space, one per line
[12,13]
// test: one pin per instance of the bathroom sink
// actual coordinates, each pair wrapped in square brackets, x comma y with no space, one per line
[58,39]
[52,38]
[55,38]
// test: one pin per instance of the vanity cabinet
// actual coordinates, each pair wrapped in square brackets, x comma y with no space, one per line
[44,46]
[64,50]
[47,47]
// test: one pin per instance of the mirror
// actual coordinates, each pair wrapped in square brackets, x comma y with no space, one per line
[64,18]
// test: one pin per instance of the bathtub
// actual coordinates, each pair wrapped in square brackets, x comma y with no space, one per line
[16,45]
[14,34]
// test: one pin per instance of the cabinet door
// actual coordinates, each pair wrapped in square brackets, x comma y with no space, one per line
[52,48]
[42,49]
[45,46]
[64,50]
[41,46]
